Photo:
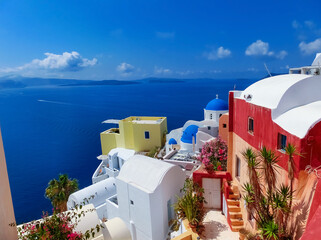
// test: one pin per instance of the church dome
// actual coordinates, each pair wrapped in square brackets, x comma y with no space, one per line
[189,133]
[172,141]
[217,105]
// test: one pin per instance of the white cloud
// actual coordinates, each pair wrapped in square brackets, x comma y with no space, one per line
[282,54]
[219,53]
[125,68]
[306,30]
[65,62]
[162,71]
[261,49]
[258,48]
[311,47]
[165,35]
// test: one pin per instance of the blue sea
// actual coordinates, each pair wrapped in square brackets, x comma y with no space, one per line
[52,130]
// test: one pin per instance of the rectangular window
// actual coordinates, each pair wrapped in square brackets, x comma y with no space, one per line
[208,128]
[146,135]
[281,141]
[224,125]
[250,125]
[238,168]
[131,202]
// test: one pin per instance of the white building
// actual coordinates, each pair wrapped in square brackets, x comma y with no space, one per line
[141,195]
[111,164]
[146,190]
[192,136]
[95,194]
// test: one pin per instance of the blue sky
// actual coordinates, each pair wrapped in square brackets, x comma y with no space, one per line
[128,39]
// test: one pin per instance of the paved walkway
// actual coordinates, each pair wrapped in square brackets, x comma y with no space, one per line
[217,228]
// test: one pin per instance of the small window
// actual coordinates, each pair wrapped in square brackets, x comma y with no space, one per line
[211,116]
[224,125]
[220,115]
[146,135]
[238,168]
[281,141]
[208,127]
[131,202]
[251,125]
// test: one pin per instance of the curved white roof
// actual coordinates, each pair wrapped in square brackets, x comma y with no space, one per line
[116,229]
[144,172]
[294,100]
[101,191]
[299,120]
[269,91]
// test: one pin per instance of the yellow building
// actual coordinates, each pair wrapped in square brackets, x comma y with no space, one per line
[138,133]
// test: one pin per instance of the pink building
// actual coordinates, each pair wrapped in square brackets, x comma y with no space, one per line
[272,113]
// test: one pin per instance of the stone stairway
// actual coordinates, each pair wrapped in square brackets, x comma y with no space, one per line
[233,205]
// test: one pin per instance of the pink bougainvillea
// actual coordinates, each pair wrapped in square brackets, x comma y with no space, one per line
[214,155]
[57,227]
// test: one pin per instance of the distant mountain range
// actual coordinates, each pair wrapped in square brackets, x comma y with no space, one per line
[16,81]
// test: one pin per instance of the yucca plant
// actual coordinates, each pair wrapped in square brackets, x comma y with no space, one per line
[269,163]
[291,151]
[270,230]
[253,166]
[270,204]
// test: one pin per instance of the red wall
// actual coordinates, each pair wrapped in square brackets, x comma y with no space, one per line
[311,146]
[266,134]
[201,173]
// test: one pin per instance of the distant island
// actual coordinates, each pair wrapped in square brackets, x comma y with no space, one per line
[103,82]
[164,80]
[16,81]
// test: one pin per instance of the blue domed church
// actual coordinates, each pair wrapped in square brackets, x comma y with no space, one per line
[215,108]
[192,136]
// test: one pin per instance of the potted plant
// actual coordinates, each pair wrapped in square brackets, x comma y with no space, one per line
[190,205]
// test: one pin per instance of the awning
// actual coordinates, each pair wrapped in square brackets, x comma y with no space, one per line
[313,230]
[113,121]
[102,157]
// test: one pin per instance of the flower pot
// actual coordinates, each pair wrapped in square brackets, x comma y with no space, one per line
[242,236]
[193,227]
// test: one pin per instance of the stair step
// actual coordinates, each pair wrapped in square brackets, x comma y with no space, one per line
[237,222]
[232,202]
[235,215]
[233,196]
[233,208]
[236,228]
